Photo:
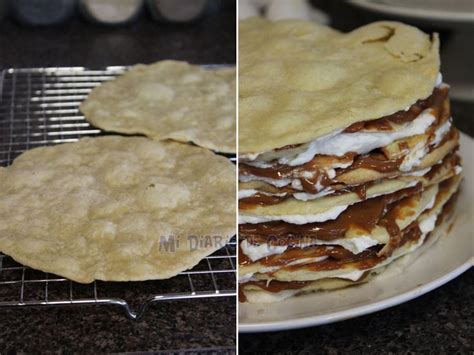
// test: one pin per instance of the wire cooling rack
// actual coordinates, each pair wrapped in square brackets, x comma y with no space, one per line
[40,107]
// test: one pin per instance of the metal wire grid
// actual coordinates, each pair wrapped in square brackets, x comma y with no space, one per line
[40,107]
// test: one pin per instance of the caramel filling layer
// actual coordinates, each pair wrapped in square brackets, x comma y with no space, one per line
[278,286]
[313,175]
[363,216]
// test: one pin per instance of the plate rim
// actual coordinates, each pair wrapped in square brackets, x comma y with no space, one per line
[415,13]
[356,311]
[353,312]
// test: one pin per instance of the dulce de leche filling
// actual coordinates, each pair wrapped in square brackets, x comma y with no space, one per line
[263,199]
[383,210]
[362,216]
[313,176]
[278,286]
[338,258]
[434,101]
[284,193]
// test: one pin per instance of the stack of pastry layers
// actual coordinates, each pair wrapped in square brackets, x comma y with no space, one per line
[333,210]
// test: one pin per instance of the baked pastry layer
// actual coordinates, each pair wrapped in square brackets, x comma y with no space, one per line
[299,81]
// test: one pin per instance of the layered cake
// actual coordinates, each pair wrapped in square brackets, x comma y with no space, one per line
[347,153]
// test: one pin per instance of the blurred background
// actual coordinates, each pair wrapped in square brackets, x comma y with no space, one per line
[99,33]
[452,19]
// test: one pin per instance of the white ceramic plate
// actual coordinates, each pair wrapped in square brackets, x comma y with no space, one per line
[412,276]
[461,11]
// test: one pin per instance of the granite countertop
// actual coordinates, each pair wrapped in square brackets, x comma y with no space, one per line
[192,324]
[206,324]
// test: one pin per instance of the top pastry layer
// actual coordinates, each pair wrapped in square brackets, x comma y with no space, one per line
[299,81]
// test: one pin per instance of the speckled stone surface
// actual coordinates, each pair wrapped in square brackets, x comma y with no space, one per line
[197,324]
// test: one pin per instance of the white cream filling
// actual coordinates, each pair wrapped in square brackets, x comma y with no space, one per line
[341,165]
[428,206]
[355,245]
[249,276]
[457,169]
[258,163]
[255,252]
[359,142]
[246,277]
[416,155]
[331,213]
[274,182]
[251,192]
[303,196]
[295,183]
[418,173]
[353,275]
[247,193]
[441,131]
[414,158]
[308,175]
[428,224]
